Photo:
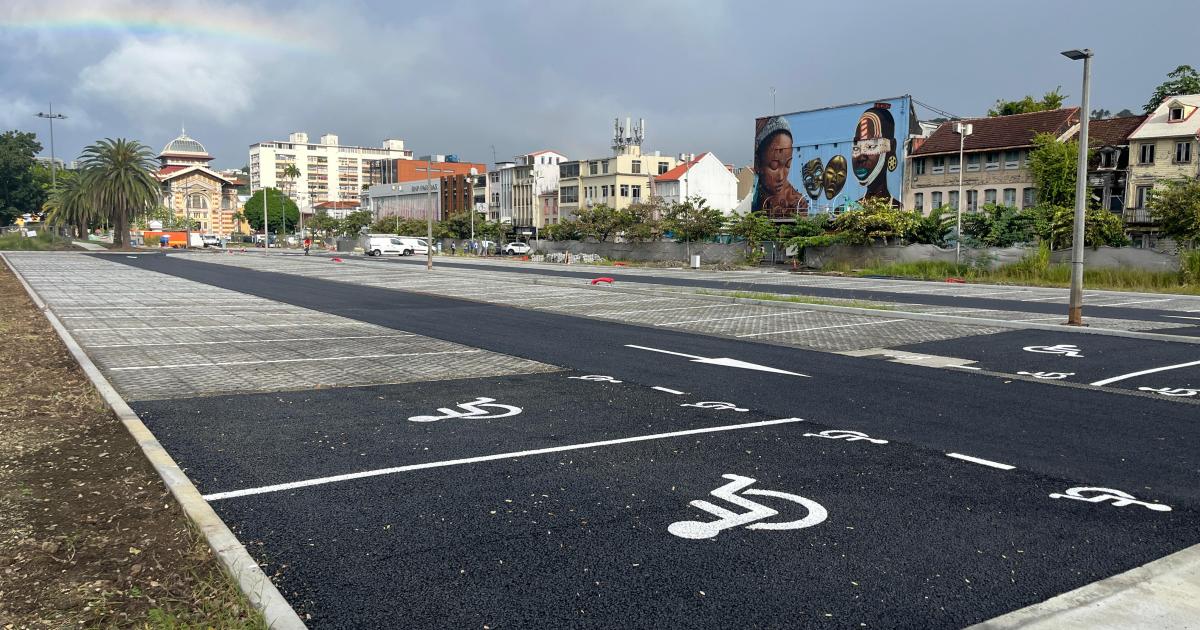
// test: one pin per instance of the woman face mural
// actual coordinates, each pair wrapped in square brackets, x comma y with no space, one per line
[774,194]
[874,150]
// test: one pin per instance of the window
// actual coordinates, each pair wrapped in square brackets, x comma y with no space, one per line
[637,193]
[1012,159]
[197,201]
[939,166]
[1108,158]
[663,167]
[937,200]
[973,162]
[1175,114]
[1143,194]
[495,176]
[989,196]
[1146,154]
[954,199]
[991,161]
[972,200]
[919,202]
[624,190]
[605,167]
[953,164]
[570,194]
[637,166]
[1010,197]
[919,166]
[569,170]
[1028,197]
[593,168]
[1183,152]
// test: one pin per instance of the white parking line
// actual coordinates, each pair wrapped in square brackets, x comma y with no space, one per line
[152,328]
[1043,299]
[722,319]
[1182,316]
[262,361]
[1164,368]
[487,458]
[216,343]
[886,321]
[669,391]
[659,310]
[977,460]
[1134,302]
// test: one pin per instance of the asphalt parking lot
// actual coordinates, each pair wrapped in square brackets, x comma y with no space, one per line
[520,463]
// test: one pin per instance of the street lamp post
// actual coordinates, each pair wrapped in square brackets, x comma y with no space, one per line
[1075,310]
[429,215]
[51,116]
[963,130]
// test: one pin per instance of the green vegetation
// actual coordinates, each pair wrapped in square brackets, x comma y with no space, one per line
[20,192]
[1182,80]
[281,210]
[44,241]
[1049,100]
[1176,204]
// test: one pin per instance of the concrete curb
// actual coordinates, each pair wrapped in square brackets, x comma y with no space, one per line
[237,562]
[1164,593]
[869,312]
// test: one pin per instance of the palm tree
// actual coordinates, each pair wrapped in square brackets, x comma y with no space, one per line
[119,178]
[69,204]
[290,172]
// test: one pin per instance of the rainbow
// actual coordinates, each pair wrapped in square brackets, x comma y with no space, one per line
[248,29]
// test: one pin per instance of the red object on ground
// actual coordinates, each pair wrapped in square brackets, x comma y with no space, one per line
[618,264]
[956,280]
[336,259]
[599,280]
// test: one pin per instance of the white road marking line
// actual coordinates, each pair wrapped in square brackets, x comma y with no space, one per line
[178,315]
[1043,299]
[1164,368]
[965,367]
[262,361]
[153,328]
[1182,316]
[669,391]
[977,460]
[215,343]
[996,293]
[1134,302]
[487,458]
[781,332]
[1038,319]
[722,319]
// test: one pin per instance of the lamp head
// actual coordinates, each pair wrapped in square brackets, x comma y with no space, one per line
[1076,54]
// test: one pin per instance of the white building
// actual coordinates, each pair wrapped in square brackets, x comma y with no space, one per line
[704,176]
[329,171]
[407,200]
[500,192]
[535,175]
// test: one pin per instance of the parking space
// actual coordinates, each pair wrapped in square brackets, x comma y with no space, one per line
[584,500]
[1168,370]
[157,336]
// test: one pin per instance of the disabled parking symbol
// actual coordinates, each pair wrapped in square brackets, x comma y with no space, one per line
[753,513]
[1100,495]
[473,409]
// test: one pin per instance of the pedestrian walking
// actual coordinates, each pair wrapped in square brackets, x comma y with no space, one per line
[453,248]
[307,244]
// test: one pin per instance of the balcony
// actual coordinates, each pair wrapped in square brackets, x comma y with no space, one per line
[1137,215]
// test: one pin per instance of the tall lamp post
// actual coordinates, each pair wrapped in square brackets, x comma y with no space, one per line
[51,116]
[963,130]
[1075,311]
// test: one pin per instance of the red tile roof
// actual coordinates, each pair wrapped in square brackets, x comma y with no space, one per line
[337,205]
[677,172]
[1000,132]
[167,170]
[1111,132]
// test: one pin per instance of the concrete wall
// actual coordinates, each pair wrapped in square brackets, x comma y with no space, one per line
[858,256]
[654,251]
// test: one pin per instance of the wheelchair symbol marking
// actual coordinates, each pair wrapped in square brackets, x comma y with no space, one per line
[1066,350]
[474,409]
[1100,495]
[600,378]
[714,404]
[1051,376]
[846,434]
[726,519]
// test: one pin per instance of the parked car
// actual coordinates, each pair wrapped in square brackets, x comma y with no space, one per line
[413,245]
[515,248]
[210,240]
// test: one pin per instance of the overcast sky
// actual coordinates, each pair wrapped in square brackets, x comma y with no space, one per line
[523,75]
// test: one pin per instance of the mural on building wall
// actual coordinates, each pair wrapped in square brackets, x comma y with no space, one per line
[845,154]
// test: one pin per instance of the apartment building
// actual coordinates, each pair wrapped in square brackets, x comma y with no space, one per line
[329,170]
[500,192]
[995,156]
[462,193]
[703,176]
[1108,169]
[533,175]
[1162,147]
[190,187]
[618,181]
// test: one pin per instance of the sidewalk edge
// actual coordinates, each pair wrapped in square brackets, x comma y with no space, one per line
[238,563]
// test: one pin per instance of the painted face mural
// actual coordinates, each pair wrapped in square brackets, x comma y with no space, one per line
[835,176]
[774,194]
[814,177]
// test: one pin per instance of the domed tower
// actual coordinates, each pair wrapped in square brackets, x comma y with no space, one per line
[184,151]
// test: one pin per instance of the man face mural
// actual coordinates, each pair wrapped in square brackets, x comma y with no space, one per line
[870,149]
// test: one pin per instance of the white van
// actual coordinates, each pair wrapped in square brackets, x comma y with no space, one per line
[413,245]
[383,244]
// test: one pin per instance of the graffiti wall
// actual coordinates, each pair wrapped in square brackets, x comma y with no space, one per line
[825,159]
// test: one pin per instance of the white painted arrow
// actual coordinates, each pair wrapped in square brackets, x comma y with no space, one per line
[726,361]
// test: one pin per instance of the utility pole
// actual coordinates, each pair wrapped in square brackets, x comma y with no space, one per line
[963,130]
[429,214]
[51,116]
[1075,310]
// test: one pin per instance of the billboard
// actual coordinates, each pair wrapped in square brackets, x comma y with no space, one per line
[827,159]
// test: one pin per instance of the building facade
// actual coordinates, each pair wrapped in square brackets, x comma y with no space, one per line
[1108,169]
[618,181]
[462,193]
[995,167]
[190,188]
[393,171]
[534,174]
[1163,147]
[329,170]
[703,176]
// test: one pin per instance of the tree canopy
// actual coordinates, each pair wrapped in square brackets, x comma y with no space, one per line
[1050,100]
[19,189]
[278,205]
[693,220]
[1176,205]
[1182,80]
[1053,165]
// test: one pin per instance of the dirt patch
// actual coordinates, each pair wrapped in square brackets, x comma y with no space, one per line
[89,535]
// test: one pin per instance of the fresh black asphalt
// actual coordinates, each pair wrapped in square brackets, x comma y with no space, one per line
[1114,312]
[913,538]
